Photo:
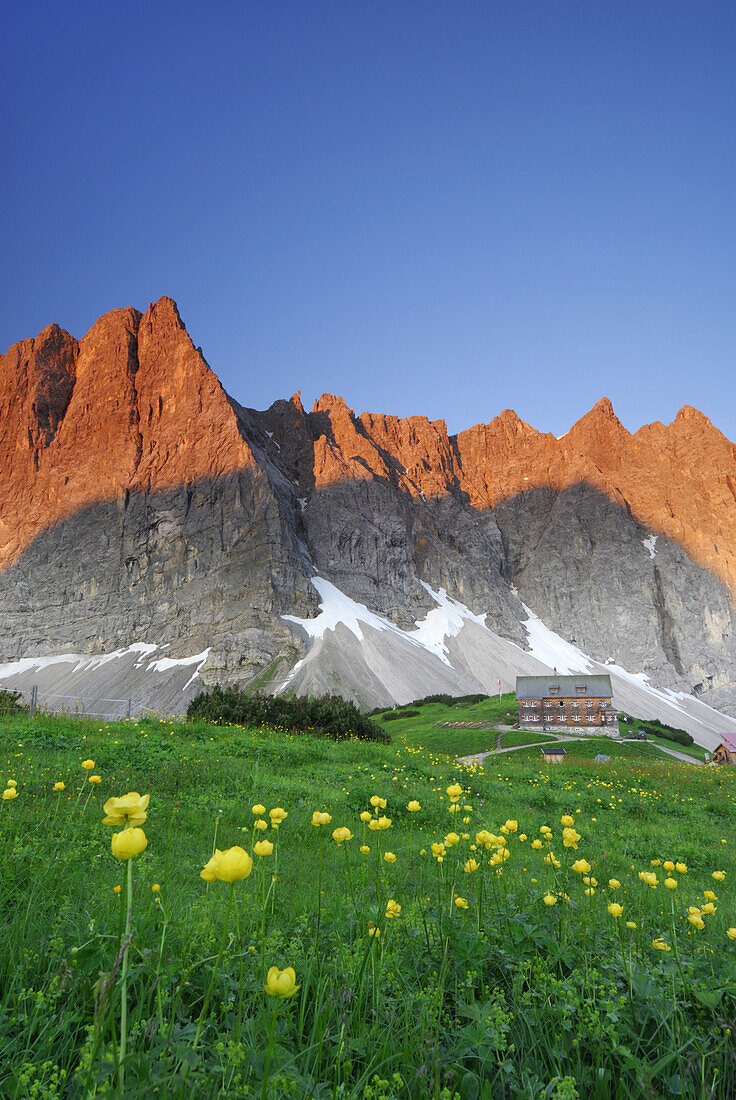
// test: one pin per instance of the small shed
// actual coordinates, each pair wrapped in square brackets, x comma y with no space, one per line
[725,753]
[553,755]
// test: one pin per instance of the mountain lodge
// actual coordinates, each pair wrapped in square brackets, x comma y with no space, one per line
[567,704]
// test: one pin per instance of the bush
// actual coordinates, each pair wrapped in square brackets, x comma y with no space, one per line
[659,729]
[327,714]
[394,715]
[11,705]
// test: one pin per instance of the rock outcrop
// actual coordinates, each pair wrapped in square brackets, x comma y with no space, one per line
[141,504]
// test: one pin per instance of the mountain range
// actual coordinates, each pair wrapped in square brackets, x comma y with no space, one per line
[147,517]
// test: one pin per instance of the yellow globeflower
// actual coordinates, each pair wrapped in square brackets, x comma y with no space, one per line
[373,824]
[668,866]
[471,865]
[373,930]
[413,806]
[455,808]
[389,857]
[384,823]
[130,809]
[631,924]
[709,907]
[570,838]
[130,842]
[614,884]
[281,983]
[550,899]
[567,820]
[366,816]
[9,794]
[615,909]
[116,889]
[156,889]
[581,866]
[661,945]
[95,779]
[263,848]
[341,834]
[364,849]
[454,792]
[681,868]
[377,802]
[260,824]
[321,818]
[718,875]
[12,783]
[258,809]
[696,921]
[88,765]
[461,903]
[233,864]
[537,843]
[438,849]
[731,933]
[451,839]
[392,908]
[511,826]
[671,883]
[709,895]
[649,878]
[60,786]
[589,891]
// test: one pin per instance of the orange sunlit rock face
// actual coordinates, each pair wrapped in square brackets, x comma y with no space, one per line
[134,407]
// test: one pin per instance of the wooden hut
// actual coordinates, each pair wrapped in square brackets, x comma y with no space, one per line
[553,754]
[726,752]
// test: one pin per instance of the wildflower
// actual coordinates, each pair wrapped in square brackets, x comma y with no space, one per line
[696,920]
[341,834]
[438,849]
[631,924]
[155,889]
[364,849]
[321,818]
[570,838]
[550,899]
[661,945]
[455,808]
[694,909]
[88,765]
[384,823]
[671,883]
[545,830]
[589,891]
[392,909]
[451,839]
[454,792]
[12,783]
[615,909]
[116,889]
[95,779]
[277,815]
[483,837]
[649,878]
[681,868]
[614,884]
[373,824]
[668,866]
[537,843]
[263,848]
[389,857]
[718,875]
[373,930]
[471,865]
[130,809]
[130,842]
[731,933]
[261,825]
[413,806]
[709,908]
[259,809]
[60,786]
[461,903]
[366,815]
[655,862]
[377,801]
[567,821]
[709,895]
[590,881]
[522,836]
[510,826]
[281,983]
[9,793]
[581,866]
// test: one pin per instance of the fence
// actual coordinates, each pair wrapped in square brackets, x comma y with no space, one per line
[78,706]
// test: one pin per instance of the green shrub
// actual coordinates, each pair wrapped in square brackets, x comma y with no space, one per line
[658,729]
[11,704]
[326,714]
[395,715]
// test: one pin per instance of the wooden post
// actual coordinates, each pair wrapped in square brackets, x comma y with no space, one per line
[34,700]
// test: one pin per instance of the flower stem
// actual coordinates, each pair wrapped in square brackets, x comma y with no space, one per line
[205,1006]
[269,1052]
[124,985]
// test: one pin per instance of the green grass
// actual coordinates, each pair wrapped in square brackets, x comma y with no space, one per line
[426,730]
[507,998]
[514,738]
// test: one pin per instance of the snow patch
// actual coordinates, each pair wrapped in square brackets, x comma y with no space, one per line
[302,502]
[444,621]
[165,663]
[551,649]
[650,543]
[336,607]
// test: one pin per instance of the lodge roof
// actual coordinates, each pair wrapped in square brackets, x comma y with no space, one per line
[552,750]
[580,685]
[729,743]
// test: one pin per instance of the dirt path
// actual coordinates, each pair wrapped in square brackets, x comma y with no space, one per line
[479,757]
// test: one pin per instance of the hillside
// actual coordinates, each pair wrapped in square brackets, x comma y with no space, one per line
[148,518]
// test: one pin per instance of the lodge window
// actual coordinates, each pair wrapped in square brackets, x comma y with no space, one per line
[554,689]
[563,717]
[582,690]
[575,703]
[591,718]
[589,704]
[576,717]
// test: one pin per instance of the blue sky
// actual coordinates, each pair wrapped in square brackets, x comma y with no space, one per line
[446,208]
